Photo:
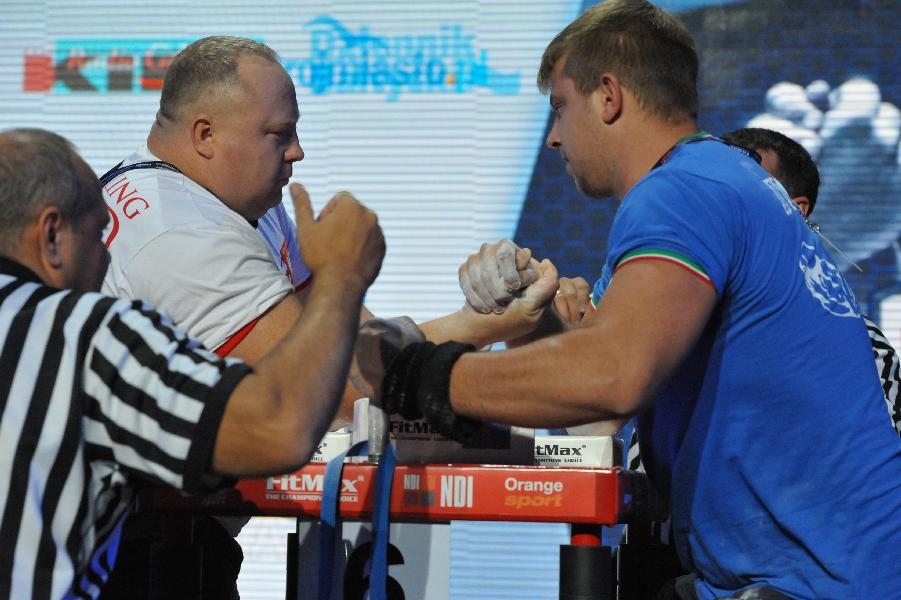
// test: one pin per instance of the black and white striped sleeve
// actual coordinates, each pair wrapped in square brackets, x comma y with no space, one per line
[633,455]
[156,397]
[887,365]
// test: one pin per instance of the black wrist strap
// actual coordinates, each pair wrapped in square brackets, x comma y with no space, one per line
[402,379]
[417,383]
[433,395]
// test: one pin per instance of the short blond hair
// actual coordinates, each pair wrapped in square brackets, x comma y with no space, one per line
[648,49]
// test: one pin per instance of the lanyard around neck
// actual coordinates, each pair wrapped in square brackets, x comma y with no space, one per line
[147,164]
[700,136]
[685,139]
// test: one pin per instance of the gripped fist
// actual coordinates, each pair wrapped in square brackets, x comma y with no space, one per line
[572,299]
[345,238]
[494,276]
[528,308]
[378,342]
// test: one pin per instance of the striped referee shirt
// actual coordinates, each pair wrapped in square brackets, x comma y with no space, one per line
[97,395]
[888,367]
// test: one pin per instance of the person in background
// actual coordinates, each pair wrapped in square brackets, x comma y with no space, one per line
[103,395]
[198,229]
[791,164]
[713,293]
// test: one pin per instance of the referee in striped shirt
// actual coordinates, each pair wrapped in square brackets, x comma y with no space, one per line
[98,395]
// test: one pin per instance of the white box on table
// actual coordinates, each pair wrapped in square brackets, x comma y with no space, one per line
[577,451]
[416,442]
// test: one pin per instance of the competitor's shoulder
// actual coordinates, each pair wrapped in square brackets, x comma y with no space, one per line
[167,199]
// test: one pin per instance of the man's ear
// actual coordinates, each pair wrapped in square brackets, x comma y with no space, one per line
[50,227]
[202,136]
[803,204]
[609,94]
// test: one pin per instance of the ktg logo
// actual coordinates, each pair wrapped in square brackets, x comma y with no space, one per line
[442,61]
[100,66]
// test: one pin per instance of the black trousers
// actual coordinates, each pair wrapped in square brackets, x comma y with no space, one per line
[174,557]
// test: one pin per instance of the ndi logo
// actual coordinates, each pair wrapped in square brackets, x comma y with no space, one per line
[443,61]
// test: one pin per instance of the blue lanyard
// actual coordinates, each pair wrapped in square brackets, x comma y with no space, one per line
[328,516]
[378,573]
[701,136]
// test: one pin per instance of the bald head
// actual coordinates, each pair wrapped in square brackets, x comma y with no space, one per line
[228,121]
[208,70]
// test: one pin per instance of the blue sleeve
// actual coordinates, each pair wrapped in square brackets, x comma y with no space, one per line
[683,219]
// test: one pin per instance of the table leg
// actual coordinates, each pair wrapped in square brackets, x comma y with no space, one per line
[586,566]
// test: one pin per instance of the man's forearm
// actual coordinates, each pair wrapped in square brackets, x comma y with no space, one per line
[480,330]
[281,410]
[550,324]
[542,384]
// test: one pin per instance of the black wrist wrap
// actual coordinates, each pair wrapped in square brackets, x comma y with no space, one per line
[402,379]
[417,385]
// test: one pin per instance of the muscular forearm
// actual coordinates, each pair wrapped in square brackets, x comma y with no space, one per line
[478,329]
[559,381]
[609,367]
[277,414]
[550,324]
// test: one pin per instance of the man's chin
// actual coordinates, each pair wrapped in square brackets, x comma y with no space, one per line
[583,189]
[589,190]
[274,201]
[257,212]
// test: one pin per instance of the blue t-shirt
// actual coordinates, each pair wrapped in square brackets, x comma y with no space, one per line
[771,438]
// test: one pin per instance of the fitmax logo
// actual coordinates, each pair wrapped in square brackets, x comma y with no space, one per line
[417,427]
[306,482]
[557,450]
[444,61]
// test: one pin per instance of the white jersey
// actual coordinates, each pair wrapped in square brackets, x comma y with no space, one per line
[174,244]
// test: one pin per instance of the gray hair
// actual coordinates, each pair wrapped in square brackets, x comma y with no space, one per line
[207,68]
[38,169]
